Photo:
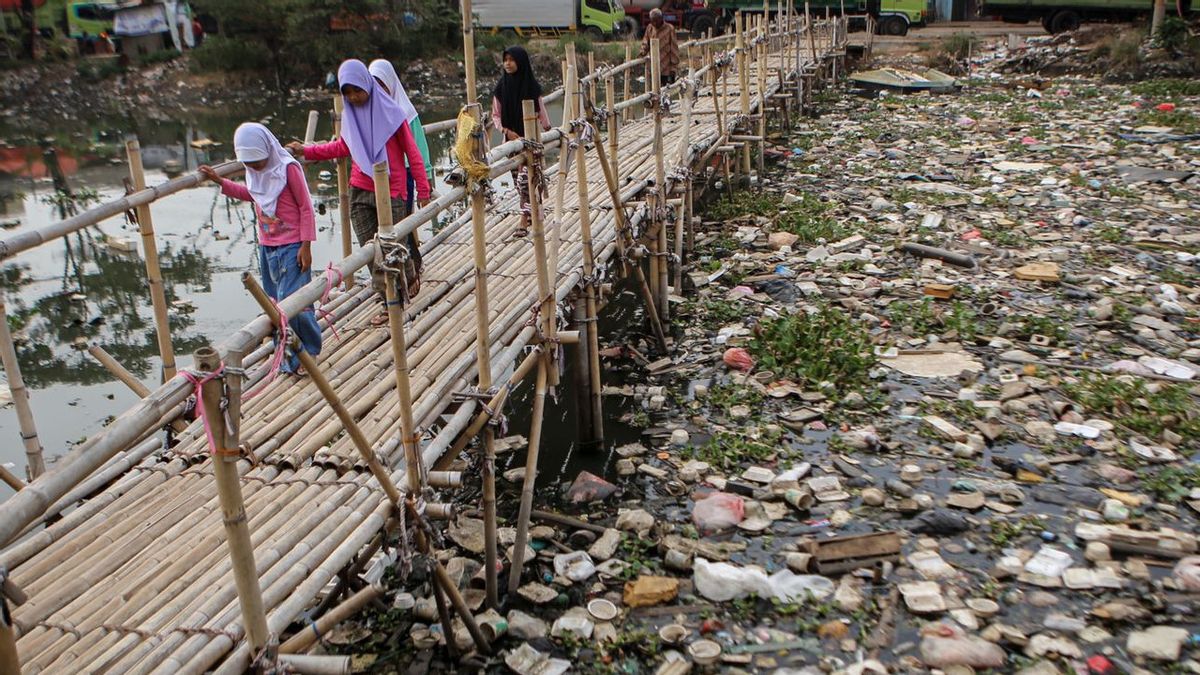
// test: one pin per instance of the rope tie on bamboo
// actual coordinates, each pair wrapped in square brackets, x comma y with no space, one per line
[198,380]
[468,132]
[330,272]
[276,362]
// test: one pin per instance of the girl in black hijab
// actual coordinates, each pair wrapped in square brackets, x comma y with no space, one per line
[517,84]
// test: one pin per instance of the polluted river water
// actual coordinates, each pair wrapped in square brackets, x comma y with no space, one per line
[81,288]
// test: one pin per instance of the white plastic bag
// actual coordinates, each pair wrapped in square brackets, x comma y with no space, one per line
[575,566]
[721,582]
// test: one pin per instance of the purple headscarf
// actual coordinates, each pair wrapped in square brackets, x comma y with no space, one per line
[366,129]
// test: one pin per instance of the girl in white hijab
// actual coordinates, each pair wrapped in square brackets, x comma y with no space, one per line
[275,183]
[385,74]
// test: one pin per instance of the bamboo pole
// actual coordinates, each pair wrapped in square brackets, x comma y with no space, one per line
[408,432]
[614,126]
[661,270]
[127,378]
[623,230]
[468,38]
[343,185]
[482,317]
[760,68]
[530,478]
[35,465]
[310,130]
[314,631]
[589,262]
[625,82]
[10,479]
[655,261]
[591,83]
[483,360]
[743,66]
[153,273]
[233,509]
[547,320]
[10,661]
[564,158]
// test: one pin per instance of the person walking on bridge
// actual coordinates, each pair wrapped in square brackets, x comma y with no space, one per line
[276,185]
[386,77]
[668,46]
[517,84]
[374,129]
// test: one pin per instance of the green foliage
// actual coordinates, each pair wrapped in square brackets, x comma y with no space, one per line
[1122,52]
[727,450]
[1112,234]
[809,219]
[1132,404]
[743,204]
[1171,483]
[1005,532]
[823,346]
[1172,34]
[1166,88]
[959,45]
[926,317]
[294,38]
[98,70]
[1183,121]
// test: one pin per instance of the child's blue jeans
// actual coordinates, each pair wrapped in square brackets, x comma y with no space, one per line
[282,276]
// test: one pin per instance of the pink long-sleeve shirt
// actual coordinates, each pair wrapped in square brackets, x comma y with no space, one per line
[294,220]
[543,116]
[400,145]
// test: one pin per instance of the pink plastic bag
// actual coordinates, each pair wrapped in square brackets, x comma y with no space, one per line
[738,358]
[718,511]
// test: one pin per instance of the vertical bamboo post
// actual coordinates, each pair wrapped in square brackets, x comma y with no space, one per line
[468,38]
[343,183]
[225,457]
[760,68]
[589,271]
[659,270]
[591,71]
[812,38]
[614,127]
[10,662]
[547,318]
[415,468]
[35,465]
[483,343]
[625,82]
[564,158]
[310,130]
[743,66]
[158,296]
[655,199]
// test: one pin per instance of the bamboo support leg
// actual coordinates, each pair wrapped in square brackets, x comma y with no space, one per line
[589,262]
[9,661]
[158,297]
[483,361]
[343,185]
[10,479]
[623,231]
[408,436]
[35,465]
[225,456]
[625,83]
[310,129]
[127,378]
[658,261]
[310,634]
[531,461]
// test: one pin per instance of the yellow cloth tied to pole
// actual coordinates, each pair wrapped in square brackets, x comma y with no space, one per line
[464,147]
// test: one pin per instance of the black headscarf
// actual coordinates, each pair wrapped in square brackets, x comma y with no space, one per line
[512,89]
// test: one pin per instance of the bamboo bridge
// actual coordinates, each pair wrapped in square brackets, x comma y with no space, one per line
[130,556]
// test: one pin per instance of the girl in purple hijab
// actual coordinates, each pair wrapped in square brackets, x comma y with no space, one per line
[374,129]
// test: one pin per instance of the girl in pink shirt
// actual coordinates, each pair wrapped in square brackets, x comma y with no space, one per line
[276,185]
[374,129]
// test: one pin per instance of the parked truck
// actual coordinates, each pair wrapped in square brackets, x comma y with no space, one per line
[597,19]
[892,17]
[1060,16]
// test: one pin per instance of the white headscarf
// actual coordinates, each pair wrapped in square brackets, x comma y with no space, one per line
[252,142]
[382,70]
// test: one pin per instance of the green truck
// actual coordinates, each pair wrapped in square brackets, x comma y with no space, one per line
[596,18]
[1060,16]
[892,17]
